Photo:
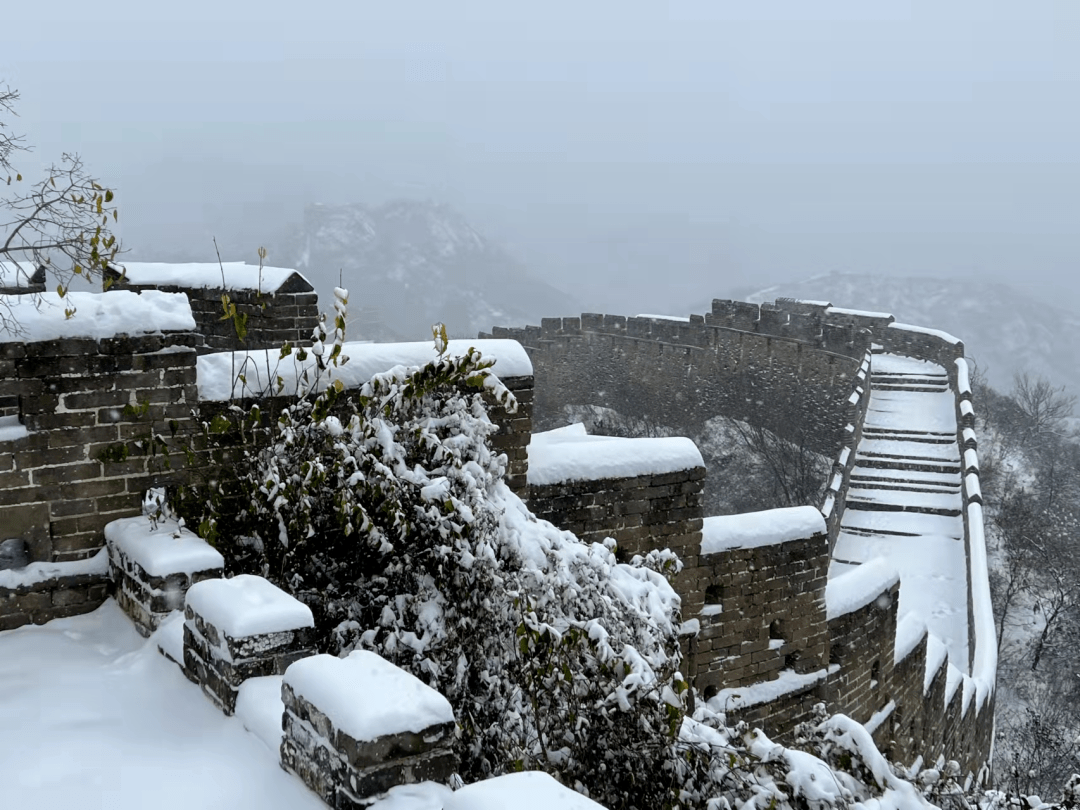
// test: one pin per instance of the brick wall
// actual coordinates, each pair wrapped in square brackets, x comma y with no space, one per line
[65,477]
[862,643]
[692,372]
[287,314]
[642,513]
[771,616]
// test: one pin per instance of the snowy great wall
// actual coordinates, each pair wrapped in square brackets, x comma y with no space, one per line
[875,601]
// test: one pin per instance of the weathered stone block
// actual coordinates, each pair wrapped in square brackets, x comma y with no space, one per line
[154,565]
[385,728]
[242,628]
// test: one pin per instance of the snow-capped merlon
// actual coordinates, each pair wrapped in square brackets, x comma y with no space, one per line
[766,528]
[162,549]
[859,587]
[97,315]
[907,327]
[247,605]
[194,275]
[366,696]
[571,454]
[910,630]
[217,373]
[528,790]
[963,376]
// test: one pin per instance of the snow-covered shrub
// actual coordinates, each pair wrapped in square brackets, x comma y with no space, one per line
[384,510]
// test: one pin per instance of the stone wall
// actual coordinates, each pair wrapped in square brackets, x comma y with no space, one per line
[41,592]
[761,371]
[768,613]
[765,643]
[64,472]
[862,643]
[288,314]
[642,513]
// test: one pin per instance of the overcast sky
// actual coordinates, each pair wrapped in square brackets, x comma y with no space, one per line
[701,145]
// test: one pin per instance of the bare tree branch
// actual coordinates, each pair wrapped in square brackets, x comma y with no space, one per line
[1044,406]
[63,222]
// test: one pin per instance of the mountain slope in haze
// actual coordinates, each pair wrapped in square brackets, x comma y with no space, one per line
[1003,329]
[416,263]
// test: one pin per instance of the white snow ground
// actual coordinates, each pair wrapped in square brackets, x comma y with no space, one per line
[93,716]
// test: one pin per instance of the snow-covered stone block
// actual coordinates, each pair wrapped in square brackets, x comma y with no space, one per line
[241,628]
[357,726]
[529,790]
[153,564]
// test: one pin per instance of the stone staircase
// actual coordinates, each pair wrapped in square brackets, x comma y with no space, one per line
[904,499]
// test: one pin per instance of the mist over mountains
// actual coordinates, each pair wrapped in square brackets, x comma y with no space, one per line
[409,264]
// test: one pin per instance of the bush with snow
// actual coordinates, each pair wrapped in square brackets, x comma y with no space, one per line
[384,510]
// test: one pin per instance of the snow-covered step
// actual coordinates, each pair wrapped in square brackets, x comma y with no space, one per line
[891,500]
[893,431]
[886,434]
[909,465]
[891,485]
[929,376]
[912,411]
[912,524]
[898,364]
[905,476]
[905,449]
[927,387]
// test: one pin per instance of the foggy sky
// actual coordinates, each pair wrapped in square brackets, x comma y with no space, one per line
[613,146]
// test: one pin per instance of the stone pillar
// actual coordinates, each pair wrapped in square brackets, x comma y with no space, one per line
[357,726]
[153,564]
[241,628]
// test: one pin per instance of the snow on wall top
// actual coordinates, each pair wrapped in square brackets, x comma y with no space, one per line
[248,605]
[366,696]
[217,372]
[237,275]
[753,529]
[571,454]
[785,682]
[17,275]
[679,318]
[858,587]
[910,630]
[984,662]
[860,312]
[98,315]
[162,549]
[12,429]
[36,572]
[528,790]
[925,331]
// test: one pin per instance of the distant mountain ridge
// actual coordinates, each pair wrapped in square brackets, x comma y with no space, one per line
[417,263]
[1004,329]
